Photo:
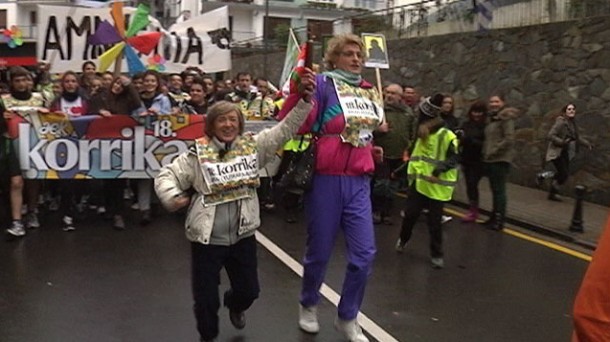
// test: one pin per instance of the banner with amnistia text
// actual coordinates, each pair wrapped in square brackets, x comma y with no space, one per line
[51,146]
[63,33]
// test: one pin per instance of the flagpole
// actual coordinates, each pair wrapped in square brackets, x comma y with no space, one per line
[294,38]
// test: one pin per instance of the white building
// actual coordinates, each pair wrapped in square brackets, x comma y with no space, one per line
[319,17]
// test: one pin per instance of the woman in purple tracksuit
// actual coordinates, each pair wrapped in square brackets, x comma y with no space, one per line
[347,110]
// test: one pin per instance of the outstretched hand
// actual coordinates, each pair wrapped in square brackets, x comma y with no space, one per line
[308,84]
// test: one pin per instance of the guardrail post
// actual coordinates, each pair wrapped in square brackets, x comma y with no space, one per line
[577,221]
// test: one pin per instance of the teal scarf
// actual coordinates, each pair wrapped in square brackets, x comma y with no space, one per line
[345,76]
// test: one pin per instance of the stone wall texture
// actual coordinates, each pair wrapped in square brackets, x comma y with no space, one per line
[539,69]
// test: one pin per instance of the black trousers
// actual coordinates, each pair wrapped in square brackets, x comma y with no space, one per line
[416,202]
[562,165]
[473,172]
[113,195]
[383,185]
[240,262]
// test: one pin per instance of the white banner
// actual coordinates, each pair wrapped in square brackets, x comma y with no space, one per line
[62,39]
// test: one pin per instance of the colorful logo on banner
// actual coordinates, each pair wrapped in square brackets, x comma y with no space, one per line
[156,63]
[12,37]
[52,146]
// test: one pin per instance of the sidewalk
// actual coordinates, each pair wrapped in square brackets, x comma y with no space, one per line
[530,208]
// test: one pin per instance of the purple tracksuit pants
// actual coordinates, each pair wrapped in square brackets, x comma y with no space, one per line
[339,203]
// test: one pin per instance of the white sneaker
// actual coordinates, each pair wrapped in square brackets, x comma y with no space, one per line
[308,319]
[437,263]
[351,330]
[16,229]
[445,219]
[101,210]
[68,224]
[399,247]
[135,206]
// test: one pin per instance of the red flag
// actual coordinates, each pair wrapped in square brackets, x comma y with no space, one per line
[295,75]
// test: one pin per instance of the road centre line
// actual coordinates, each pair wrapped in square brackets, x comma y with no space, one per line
[366,323]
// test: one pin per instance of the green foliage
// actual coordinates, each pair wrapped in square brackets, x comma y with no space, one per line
[280,34]
[371,24]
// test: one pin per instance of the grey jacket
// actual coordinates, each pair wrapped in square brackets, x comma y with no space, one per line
[184,174]
[563,133]
[500,137]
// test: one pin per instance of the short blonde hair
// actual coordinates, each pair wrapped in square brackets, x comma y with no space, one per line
[336,45]
[218,109]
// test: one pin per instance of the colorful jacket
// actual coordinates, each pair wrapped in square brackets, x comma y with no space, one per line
[333,156]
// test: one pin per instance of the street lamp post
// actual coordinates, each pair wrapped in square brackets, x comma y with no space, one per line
[266,37]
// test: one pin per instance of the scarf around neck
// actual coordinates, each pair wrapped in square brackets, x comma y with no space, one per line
[345,76]
[70,97]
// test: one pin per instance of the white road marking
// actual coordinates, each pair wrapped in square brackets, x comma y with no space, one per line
[366,323]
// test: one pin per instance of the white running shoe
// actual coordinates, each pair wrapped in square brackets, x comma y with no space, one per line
[16,229]
[399,247]
[68,224]
[308,319]
[445,219]
[351,330]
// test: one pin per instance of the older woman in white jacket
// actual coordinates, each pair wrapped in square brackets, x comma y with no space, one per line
[217,179]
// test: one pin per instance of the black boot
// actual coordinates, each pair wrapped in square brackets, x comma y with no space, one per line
[553,191]
[498,224]
[491,220]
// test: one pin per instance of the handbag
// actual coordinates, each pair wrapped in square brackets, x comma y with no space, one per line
[301,167]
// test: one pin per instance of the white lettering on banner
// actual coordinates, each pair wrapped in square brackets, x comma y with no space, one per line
[134,155]
[202,41]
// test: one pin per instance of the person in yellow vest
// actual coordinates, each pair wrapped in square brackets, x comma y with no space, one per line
[432,177]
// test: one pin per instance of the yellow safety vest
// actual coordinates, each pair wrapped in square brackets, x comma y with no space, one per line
[427,156]
[298,144]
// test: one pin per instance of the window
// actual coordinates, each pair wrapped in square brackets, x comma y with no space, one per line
[231,26]
[2,19]
[33,18]
[319,28]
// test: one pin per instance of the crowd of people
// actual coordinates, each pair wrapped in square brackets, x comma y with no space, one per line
[92,93]
[402,141]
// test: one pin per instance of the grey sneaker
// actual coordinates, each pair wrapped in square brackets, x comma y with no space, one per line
[68,224]
[308,319]
[31,220]
[437,263]
[118,223]
[446,218]
[16,229]
[350,330]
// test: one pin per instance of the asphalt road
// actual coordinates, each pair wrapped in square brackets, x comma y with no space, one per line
[97,284]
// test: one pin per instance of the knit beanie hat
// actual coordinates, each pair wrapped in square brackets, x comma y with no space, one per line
[431,106]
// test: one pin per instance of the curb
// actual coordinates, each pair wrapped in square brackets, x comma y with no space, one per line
[537,228]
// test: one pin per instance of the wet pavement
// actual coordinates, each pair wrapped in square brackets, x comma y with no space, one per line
[96,284]
[530,207]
